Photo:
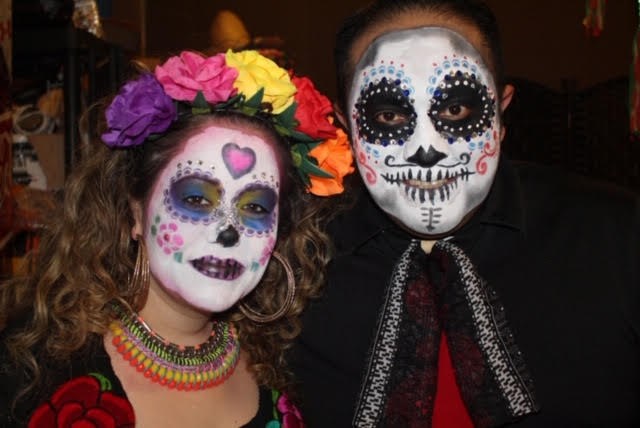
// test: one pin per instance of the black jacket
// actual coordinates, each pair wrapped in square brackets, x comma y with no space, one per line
[563,253]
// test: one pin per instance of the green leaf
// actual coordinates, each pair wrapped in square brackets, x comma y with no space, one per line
[275,394]
[249,111]
[256,100]
[200,101]
[105,384]
[299,136]
[200,104]
[311,168]
[231,102]
[297,158]
[282,130]
[287,117]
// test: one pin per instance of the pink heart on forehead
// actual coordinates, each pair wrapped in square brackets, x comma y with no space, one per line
[238,161]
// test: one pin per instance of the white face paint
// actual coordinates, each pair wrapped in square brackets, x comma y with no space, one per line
[425,127]
[212,218]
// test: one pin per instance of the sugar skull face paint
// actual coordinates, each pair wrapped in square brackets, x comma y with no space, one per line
[212,218]
[425,127]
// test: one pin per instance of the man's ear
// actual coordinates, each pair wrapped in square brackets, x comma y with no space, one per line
[505,98]
[137,211]
[340,116]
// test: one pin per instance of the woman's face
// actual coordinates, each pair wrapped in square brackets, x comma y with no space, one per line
[212,218]
[425,125]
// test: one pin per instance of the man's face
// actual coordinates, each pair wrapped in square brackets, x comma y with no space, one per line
[212,218]
[425,127]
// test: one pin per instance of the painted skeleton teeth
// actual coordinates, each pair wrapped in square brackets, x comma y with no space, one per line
[419,189]
[426,185]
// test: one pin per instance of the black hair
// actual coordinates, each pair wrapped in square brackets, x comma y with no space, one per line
[473,12]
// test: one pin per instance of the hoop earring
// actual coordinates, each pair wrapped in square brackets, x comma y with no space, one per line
[139,283]
[258,317]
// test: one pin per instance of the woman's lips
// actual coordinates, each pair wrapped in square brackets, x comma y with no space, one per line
[213,267]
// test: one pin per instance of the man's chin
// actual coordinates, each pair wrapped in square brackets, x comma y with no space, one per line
[437,233]
[440,232]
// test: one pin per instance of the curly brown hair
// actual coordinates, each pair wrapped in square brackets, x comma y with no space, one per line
[87,256]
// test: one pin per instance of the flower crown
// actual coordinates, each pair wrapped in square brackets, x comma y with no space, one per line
[246,82]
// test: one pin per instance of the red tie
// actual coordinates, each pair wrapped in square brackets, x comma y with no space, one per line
[449,410]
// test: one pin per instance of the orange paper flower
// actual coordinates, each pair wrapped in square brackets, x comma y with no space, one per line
[334,156]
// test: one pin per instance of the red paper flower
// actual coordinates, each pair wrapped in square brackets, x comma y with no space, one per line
[81,403]
[313,110]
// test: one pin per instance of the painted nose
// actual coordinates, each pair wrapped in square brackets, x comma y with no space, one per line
[228,237]
[426,159]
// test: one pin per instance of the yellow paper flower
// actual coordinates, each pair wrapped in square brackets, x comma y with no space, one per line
[256,71]
[334,156]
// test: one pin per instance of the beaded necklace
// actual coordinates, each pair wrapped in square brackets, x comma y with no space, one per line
[175,366]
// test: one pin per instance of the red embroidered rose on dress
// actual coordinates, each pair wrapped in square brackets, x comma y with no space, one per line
[84,402]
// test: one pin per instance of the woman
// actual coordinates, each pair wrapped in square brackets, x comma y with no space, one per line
[155,300]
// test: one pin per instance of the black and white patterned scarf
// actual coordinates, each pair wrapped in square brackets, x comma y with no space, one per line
[431,294]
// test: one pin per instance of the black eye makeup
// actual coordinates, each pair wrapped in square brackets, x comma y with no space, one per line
[461,107]
[385,114]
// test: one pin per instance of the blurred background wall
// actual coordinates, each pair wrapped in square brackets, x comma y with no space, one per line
[543,40]
[571,103]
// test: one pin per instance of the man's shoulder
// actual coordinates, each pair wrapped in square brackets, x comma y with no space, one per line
[546,184]
[554,201]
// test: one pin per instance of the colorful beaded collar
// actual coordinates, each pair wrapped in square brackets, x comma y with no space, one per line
[175,366]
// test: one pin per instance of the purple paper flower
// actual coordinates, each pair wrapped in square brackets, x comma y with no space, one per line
[140,109]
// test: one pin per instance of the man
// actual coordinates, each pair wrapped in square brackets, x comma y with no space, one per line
[465,290]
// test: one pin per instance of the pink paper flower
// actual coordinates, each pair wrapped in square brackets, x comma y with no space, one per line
[291,417]
[183,76]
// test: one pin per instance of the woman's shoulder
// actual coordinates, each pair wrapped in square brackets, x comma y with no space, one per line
[86,381]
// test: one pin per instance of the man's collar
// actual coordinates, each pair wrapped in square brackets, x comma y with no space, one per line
[504,204]
[365,220]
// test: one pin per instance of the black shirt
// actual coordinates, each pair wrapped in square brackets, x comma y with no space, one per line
[561,251]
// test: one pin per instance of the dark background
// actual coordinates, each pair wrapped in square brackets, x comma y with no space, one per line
[544,40]
[571,103]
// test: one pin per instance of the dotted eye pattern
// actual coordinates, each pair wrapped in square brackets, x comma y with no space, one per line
[460,88]
[175,213]
[385,95]
[267,226]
